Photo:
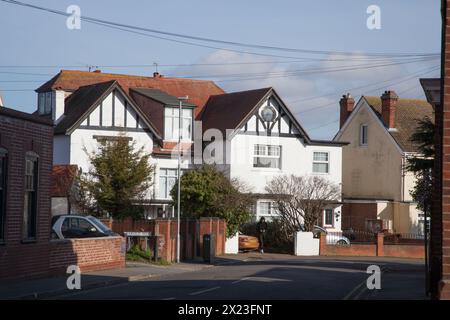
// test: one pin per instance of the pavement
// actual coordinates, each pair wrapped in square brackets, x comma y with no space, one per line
[55,286]
[242,277]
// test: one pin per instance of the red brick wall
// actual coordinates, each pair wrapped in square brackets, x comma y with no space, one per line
[354,215]
[373,250]
[89,254]
[404,251]
[191,230]
[440,219]
[20,133]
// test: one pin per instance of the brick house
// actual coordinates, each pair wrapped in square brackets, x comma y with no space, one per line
[376,186]
[437,91]
[26,148]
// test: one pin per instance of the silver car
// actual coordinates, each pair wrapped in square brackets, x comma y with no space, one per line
[75,226]
[334,238]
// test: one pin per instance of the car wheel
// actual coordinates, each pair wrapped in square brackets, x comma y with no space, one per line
[341,243]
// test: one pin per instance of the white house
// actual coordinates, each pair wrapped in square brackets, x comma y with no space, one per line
[262,137]
[264,140]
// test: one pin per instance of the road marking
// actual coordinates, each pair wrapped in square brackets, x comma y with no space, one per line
[237,281]
[261,279]
[347,297]
[171,298]
[203,291]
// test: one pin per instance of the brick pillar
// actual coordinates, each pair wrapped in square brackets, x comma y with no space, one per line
[443,157]
[380,244]
[323,244]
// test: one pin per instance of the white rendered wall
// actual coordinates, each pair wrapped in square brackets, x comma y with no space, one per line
[232,244]
[296,158]
[305,244]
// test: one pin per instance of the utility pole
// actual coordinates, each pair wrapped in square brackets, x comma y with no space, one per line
[180,111]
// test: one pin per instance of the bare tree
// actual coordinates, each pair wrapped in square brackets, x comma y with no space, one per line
[300,200]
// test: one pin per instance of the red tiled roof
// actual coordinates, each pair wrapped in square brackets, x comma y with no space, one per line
[62,179]
[408,113]
[198,90]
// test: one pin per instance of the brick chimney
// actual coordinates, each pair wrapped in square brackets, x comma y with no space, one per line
[388,108]
[347,103]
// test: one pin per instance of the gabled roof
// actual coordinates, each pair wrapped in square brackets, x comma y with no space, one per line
[63,177]
[161,96]
[230,110]
[198,90]
[408,113]
[226,111]
[432,89]
[78,103]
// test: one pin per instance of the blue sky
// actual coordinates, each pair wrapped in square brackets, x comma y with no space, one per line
[33,38]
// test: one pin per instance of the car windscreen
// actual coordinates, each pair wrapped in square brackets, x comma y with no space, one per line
[100,224]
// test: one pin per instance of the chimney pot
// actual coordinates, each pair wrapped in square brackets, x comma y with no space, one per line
[156,75]
[389,107]
[347,104]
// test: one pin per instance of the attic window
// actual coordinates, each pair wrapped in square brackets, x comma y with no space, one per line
[363,135]
[45,103]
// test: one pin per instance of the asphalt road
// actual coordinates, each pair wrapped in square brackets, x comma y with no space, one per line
[272,276]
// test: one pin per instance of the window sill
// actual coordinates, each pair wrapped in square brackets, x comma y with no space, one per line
[27,241]
[256,169]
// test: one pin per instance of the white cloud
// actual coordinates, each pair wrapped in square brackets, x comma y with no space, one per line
[257,72]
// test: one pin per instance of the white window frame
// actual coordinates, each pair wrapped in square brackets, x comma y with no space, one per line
[327,162]
[325,224]
[173,117]
[272,210]
[262,151]
[361,135]
[165,176]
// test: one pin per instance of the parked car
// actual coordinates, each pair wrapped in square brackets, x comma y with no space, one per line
[75,226]
[248,243]
[332,237]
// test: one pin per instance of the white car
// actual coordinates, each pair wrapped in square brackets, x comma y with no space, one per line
[75,226]
[332,237]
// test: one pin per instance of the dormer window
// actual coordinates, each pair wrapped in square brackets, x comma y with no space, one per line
[171,124]
[45,100]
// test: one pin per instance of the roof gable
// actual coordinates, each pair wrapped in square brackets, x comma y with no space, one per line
[84,100]
[408,113]
[227,111]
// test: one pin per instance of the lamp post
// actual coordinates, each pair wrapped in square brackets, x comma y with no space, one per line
[180,109]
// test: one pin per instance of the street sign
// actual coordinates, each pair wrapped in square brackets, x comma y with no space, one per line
[137,234]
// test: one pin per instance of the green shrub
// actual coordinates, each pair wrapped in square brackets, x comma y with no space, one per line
[137,254]
[276,238]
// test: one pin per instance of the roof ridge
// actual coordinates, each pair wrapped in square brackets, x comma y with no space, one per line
[124,75]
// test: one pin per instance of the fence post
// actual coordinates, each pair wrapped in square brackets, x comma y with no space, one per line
[322,243]
[380,244]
